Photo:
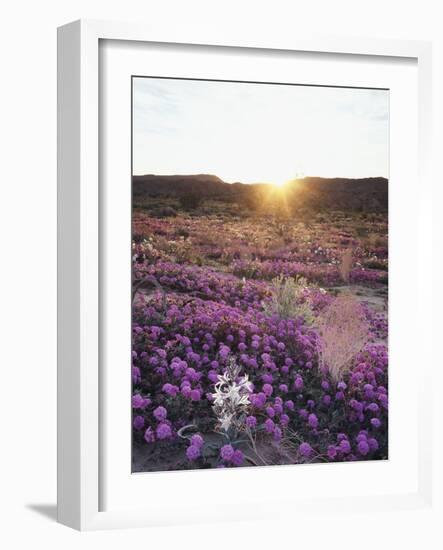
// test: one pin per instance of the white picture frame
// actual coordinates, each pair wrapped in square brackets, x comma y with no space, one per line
[80,411]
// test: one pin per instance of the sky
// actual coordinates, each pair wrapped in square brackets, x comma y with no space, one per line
[258,132]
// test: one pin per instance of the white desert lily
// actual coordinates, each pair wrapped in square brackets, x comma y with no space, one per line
[231,397]
[226,421]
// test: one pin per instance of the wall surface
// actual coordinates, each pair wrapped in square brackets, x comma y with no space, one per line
[28,289]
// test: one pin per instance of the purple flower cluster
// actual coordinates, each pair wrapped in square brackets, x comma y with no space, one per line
[203,282]
[227,240]
[180,348]
[232,456]
[324,274]
[194,451]
[190,320]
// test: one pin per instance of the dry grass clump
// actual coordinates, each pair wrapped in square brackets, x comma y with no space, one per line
[343,331]
[289,299]
[346,265]
[374,240]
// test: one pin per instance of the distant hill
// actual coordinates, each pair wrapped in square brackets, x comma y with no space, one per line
[173,186]
[366,194]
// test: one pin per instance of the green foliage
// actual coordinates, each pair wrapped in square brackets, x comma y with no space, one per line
[190,201]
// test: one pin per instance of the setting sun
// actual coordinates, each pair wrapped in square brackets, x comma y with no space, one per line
[280,183]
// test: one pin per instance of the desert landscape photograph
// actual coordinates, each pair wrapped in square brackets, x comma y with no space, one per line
[259,274]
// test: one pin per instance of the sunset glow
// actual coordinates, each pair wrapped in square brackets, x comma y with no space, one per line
[280,183]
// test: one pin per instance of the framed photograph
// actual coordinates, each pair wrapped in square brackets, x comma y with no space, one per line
[235,293]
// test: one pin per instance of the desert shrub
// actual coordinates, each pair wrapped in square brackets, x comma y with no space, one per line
[289,299]
[190,201]
[248,202]
[163,212]
[372,263]
[344,331]
[137,238]
[361,231]
[346,265]
[182,232]
[281,229]
[182,250]
[375,241]
[144,251]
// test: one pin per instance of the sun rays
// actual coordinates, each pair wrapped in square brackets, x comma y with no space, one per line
[280,183]
[277,196]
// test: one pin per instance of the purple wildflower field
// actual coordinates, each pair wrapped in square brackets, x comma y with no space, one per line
[258,338]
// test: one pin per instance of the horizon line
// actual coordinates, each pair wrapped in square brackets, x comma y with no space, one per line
[208,174]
